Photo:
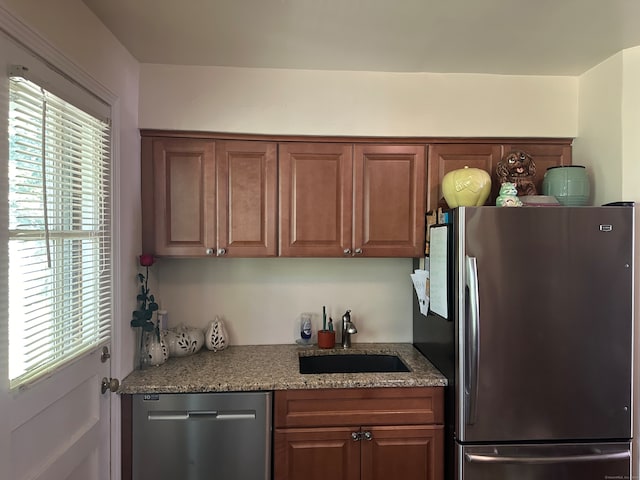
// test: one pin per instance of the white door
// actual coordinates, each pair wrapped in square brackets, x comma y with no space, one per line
[58,427]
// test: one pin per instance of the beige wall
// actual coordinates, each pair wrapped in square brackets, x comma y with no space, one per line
[261,299]
[609,144]
[630,191]
[631,123]
[73,29]
[356,103]
[599,142]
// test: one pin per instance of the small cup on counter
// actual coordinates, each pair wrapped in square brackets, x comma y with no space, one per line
[326,338]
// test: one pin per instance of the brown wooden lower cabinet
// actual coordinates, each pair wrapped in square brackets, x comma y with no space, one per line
[407,452]
[316,454]
[326,442]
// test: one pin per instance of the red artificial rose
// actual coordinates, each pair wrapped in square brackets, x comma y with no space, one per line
[146,260]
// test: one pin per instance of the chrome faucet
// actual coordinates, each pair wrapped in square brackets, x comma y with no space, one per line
[348,329]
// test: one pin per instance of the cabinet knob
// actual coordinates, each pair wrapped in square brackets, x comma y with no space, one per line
[209,251]
[356,436]
[358,251]
[222,251]
[368,436]
[347,251]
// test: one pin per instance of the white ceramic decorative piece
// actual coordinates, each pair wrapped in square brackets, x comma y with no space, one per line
[157,351]
[216,336]
[183,341]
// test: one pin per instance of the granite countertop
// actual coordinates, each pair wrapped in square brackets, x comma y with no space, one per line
[275,367]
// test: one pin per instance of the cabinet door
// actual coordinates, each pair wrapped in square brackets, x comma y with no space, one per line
[406,452]
[444,158]
[182,198]
[544,156]
[246,198]
[389,205]
[316,454]
[315,182]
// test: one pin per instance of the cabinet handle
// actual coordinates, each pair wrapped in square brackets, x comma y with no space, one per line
[356,436]
[368,436]
[222,251]
[347,251]
[358,251]
[209,251]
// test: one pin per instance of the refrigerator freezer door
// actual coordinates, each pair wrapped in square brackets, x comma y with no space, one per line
[544,462]
[544,331]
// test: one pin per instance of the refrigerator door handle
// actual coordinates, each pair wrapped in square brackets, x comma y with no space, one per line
[484,458]
[474,340]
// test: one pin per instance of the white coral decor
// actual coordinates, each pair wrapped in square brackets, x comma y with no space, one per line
[216,337]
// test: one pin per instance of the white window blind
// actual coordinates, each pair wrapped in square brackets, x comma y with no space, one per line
[59,231]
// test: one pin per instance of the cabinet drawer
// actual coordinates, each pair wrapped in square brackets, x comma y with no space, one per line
[354,407]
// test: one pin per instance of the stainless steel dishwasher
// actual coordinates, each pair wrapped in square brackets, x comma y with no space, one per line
[198,436]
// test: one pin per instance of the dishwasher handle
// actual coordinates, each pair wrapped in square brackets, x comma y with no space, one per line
[202,415]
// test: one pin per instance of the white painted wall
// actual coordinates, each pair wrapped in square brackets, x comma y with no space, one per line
[250,100]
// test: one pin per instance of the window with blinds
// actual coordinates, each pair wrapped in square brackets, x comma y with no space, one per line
[59,231]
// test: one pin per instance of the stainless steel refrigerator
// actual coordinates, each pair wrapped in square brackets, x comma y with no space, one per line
[537,343]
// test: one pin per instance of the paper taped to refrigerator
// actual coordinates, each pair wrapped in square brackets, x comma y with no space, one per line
[420,280]
[438,293]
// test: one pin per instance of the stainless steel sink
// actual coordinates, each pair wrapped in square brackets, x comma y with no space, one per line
[352,363]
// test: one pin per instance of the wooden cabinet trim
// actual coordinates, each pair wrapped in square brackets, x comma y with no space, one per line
[353,139]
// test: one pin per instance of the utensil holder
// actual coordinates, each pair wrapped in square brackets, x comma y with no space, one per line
[326,338]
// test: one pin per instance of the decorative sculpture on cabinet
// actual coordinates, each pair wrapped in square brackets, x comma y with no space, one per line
[518,167]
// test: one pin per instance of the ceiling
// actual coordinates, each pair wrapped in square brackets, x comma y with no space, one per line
[522,37]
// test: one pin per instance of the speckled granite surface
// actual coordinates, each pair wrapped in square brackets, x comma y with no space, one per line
[275,367]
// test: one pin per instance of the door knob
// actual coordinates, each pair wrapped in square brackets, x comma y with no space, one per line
[368,436]
[221,252]
[109,384]
[347,251]
[358,251]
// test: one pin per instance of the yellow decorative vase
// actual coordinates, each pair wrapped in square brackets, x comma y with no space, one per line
[466,187]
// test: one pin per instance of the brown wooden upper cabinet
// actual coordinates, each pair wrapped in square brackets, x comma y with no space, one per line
[209,198]
[345,200]
[451,156]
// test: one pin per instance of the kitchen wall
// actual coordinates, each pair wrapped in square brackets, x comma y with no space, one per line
[599,142]
[260,299]
[356,103]
[609,144]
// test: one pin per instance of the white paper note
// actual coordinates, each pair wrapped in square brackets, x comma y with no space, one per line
[420,280]
[438,257]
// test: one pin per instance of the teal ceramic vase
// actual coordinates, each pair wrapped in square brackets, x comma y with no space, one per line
[569,184]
